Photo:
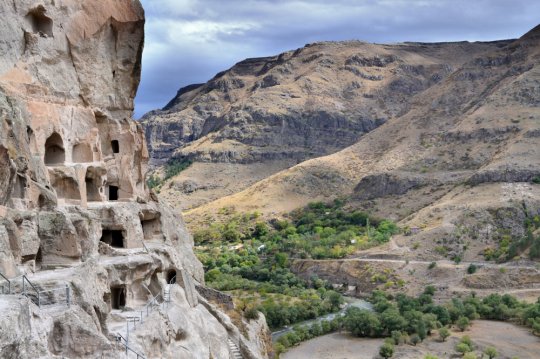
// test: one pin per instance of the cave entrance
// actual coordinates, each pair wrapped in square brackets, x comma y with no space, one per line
[171,276]
[113,193]
[41,24]
[113,237]
[115,145]
[118,297]
[54,150]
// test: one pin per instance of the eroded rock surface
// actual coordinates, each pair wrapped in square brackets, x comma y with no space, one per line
[76,219]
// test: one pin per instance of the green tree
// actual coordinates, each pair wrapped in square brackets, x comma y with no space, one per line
[386,350]
[463,323]
[392,320]
[491,352]
[362,323]
[463,348]
[444,333]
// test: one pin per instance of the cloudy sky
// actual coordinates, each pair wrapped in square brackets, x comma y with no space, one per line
[189,41]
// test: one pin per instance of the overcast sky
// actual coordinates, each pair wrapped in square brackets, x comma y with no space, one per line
[189,41]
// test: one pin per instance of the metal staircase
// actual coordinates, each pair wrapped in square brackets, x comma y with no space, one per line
[159,301]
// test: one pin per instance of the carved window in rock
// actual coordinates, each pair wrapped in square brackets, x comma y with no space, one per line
[54,150]
[113,237]
[113,193]
[115,145]
[41,24]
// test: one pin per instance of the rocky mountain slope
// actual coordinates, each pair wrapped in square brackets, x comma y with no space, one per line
[461,166]
[92,265]
[267,114]
[455,155]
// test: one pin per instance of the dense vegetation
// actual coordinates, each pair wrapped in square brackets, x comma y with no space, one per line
[172,168]
[251,258]
[404,319]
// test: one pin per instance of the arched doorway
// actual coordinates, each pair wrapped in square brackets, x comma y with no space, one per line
[54,150]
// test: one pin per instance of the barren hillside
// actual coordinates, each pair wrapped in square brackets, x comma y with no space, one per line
[268,114]
[461,165]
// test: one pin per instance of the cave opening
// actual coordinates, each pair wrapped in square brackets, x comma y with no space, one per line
[171,276]
[113,237]
[115,145]
[54,150]
[113,193]
[41,24]
[118,297]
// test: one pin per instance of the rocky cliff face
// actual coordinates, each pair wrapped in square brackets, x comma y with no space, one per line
[84,245]
[285,109]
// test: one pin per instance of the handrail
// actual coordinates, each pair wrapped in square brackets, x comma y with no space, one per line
[119,338]
[25,279]
[9,284]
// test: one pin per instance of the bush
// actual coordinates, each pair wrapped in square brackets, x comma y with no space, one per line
[432,265]
[463,323]
[471,269]
[251,313]
[463,348]
[444,333]
[491,352]
[386,350]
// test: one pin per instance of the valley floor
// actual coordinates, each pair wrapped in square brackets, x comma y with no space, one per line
[509,340]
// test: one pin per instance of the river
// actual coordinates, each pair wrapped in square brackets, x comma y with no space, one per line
[350,302]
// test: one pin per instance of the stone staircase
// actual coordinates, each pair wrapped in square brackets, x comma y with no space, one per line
[234,350]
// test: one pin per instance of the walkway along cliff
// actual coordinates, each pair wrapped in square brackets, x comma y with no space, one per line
[92,264]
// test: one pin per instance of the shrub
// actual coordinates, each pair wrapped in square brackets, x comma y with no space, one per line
[386,350]
[463,348]
[432,265]
[444,333]
[491,352]
[463,323]
[471,269]
[251,313]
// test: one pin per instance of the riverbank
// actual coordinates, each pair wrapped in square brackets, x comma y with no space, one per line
[350,302]
[510,341]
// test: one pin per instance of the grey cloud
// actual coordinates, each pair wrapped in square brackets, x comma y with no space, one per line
[188,41]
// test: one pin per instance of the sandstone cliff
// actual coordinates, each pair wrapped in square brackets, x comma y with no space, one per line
[87,253]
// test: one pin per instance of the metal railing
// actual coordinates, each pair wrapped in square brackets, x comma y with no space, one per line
[156,302]
[42,297]
[125,342]
[7,286]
